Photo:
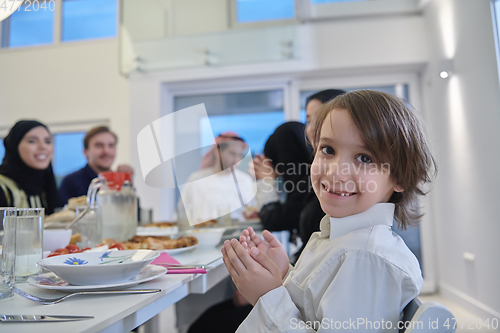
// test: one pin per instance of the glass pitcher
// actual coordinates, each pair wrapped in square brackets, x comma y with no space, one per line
[116,203]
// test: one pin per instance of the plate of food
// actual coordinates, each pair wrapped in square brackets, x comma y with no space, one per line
[158,229]
[54,282]
[157,243]
[180,250]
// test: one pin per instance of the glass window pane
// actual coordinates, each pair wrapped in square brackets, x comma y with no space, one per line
[86,19]
[254,128]
[253,115]
[29,27]
[68,154]
[264,10]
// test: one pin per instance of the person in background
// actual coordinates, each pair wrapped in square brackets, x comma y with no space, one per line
[218,187]
[286,155]
[26,176]
[100,150]
[311,214]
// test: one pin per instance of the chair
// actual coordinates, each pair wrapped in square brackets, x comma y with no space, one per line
[430,317]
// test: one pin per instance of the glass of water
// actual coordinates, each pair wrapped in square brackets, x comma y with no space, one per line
[8,217]
[29,242]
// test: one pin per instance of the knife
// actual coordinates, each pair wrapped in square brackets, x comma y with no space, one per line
[39,318]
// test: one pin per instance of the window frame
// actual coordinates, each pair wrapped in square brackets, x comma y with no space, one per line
[361,8]
[57,31]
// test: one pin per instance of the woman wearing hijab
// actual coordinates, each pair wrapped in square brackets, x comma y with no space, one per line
[26,176]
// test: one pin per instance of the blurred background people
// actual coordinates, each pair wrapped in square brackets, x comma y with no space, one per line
[100,150]
[286,155]
[210,191]
[26,176]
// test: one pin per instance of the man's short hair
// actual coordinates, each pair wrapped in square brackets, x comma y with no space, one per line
[94,131]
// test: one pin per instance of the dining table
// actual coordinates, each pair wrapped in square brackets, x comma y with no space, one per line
[117,313]
[122,313]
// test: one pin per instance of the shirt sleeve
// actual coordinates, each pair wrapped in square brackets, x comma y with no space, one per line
[360,293]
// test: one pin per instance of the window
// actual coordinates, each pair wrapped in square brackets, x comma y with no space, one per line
[28,26]
[315,2]
[249,126]
[253,115]
[87,19]
[248,11]
[68,154]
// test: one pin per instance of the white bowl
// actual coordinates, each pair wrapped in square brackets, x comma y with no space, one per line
[54,239]
[207,236]
[94,268]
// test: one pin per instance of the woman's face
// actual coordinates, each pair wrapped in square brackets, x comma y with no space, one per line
[311,109]
[36,148]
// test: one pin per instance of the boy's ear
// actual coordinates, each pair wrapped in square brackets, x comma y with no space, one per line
[398,188]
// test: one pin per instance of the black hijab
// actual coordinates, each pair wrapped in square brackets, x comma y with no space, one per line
[31,181]
[290,154]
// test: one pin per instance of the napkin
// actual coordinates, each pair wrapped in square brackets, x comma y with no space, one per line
[165,258]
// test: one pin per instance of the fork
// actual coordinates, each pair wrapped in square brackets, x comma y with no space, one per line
[181,266]
[50,301]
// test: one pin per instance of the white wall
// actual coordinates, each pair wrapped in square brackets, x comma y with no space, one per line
[463,115]
[72,83]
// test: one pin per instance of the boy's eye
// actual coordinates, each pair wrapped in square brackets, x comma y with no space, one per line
[327,150]
[364,159]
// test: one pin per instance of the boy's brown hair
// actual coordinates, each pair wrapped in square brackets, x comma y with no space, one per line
[393,133]
[94,131]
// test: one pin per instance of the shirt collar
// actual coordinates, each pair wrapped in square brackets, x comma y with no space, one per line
[381,213]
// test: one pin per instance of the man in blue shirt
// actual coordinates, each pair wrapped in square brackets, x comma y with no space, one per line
[100,150]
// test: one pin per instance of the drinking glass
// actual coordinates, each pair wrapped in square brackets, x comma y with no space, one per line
[89,227]
[29,242]
[8,217]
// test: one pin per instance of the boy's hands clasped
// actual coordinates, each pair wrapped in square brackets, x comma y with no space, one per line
[254,264]
[271,247]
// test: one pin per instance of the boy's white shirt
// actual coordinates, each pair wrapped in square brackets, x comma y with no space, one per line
[355,270]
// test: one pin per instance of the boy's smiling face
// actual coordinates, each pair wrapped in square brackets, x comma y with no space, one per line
[346,177]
